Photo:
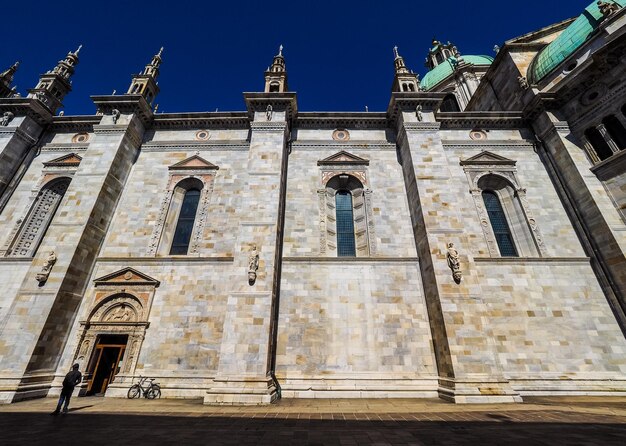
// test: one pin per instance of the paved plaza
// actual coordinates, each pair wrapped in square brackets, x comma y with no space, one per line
[538,421]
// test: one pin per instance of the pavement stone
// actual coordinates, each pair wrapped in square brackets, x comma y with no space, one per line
[537,421]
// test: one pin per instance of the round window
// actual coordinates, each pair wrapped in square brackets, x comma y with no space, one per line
[80,137]
[341,135]
[202,135]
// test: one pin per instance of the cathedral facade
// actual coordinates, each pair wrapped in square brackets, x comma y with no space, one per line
[468,243]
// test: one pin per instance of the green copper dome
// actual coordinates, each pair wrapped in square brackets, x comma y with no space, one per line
[446,68]
[567,42]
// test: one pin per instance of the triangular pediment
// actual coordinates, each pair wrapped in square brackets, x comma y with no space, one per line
[487,158]
[126,276]
[343,157]
[194,162]
[69,160]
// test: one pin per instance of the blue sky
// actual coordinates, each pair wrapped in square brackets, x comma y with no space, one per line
[338,53]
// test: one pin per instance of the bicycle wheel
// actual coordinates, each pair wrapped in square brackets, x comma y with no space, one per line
[153,392]
[134,391]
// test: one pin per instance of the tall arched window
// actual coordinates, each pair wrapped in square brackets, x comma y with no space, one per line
[345,224]
[616,130]
[450,104]
[36,223]
[599,143]
[186,219]
[499,224]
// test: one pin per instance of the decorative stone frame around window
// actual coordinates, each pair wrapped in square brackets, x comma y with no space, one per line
[29,230]
[121,306]
[192,168]
[345,171]
[488,171]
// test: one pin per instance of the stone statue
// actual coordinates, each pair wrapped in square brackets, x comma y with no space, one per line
[253,265]
[6,118]
[120,314]
[269,112]
[453,262]
[115,114]
[496,49]
[418,113]
[607,8]
[42,277]
[523,82]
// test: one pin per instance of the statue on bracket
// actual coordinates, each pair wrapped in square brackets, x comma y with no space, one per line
[269,112]
[42,277]
[115,114]
[6,118]
[253,265]
[454,264]
[418,113]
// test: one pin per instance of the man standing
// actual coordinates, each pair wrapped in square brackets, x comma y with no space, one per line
[73,378]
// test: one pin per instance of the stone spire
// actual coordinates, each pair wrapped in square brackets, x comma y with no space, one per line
[404,79]
[399,62]
[54,85]
[6,79]
[440,52]
[145,83]
[276,75]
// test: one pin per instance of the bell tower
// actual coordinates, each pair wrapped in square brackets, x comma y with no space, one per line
[440,52]
[145,83]
[276,75]
[6,79]
[55,84]
[404,80]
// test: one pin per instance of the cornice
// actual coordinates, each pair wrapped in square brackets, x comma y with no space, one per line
[470,120]
[350,145]
[409,101]
[33,108]
[74,123]
[59,147]
[201,120]
[126,103]
[348,120]
[527,144]
[422,126]
[268,126]
[286,102]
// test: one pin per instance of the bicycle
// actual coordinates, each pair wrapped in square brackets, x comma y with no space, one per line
[150,391]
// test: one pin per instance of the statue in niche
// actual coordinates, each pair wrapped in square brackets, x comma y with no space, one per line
[523,82]
[115,114]
[253,265]
[454,264]
[6,118]
[418,113]
[608,7]
[42,277]
[269,112]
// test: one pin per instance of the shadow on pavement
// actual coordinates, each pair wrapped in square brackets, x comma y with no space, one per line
[128,429]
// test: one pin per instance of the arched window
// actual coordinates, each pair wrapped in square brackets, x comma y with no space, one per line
[499,224]
[36,223]
[450,104]
[186,219]
[599,143]
[439,58]
[345,224]
[274,87]
[616,130]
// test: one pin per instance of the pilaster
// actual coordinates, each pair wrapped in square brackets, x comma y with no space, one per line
[20,131]
[244,373]
[455,308]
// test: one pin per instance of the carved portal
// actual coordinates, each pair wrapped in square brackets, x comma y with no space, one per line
[121,306]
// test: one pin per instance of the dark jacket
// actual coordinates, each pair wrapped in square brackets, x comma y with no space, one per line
[72,379]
